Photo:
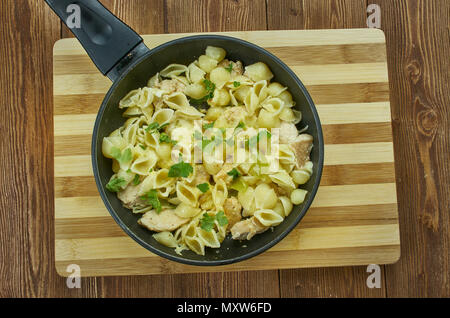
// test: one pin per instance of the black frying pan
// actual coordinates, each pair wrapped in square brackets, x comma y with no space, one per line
[120,54]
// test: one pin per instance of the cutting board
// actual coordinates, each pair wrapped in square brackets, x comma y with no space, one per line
[353,219]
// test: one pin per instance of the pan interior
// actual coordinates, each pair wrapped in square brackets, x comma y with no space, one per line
[184,51]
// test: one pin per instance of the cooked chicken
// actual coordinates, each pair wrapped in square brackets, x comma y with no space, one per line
[232,209]
[231,117]
[302,146]
[171,86]
[288,132]
[223,174]
[129,196]
[166,220]
[201,175]
[238,68]
[246,229]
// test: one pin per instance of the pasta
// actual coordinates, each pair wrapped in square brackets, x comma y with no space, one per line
[196,174]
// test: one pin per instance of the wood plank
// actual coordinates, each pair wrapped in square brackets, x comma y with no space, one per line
[84,186]
[419,66]
[311,258]
[286,38]
[299,55]
[28,31]
[299,239]
[327,196]
[96,83]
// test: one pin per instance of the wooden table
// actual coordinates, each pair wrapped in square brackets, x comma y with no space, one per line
[418,52]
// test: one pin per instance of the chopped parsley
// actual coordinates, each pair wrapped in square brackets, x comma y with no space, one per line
[204,187]
[136,179]
[234,173]
[221,218]
[154,127]
[181,169]
[151,198]
[236,84]
[165,138]
[116,184]
[210,87]
[207,221]
[229,68]
[241,125]
[122,157]
[207,126]
[143,147]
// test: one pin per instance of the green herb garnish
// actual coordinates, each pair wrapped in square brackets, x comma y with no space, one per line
[207,221]
[143,147]
[236,84]
[241,125]
[165,138]
[229,68]
[234,173]
[204,187]
[181,169]
[210,87]
[122,157]
[207,126]
[116,184]
[136,179]
[221,218]
[151,198]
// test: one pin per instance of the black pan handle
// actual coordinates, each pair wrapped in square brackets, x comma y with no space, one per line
[109,42]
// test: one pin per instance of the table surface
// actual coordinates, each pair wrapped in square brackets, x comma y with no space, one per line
[417,35]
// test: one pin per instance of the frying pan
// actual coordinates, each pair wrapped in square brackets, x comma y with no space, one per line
[120,54]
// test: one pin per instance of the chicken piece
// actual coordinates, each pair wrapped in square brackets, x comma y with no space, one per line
[201,175]
[246,229]
[171,86]
[223,174]
[281,192]
[231,117]
[302,146]
[232,209]
[166,220]
[238,68]
[288,132]
[129,196]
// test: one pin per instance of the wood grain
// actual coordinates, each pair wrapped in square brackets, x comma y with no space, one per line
[418,49]
[419,76]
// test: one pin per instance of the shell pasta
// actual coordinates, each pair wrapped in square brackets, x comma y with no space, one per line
[209,150]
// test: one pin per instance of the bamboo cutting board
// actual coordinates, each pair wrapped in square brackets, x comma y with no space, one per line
[353,219]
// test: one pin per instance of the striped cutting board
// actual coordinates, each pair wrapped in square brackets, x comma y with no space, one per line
[353,220]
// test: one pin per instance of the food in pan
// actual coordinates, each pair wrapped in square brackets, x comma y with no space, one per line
[208,149]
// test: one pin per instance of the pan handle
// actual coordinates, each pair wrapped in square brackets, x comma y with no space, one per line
[109,42]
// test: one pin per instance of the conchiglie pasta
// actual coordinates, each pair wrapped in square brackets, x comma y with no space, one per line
[187,194]
[207,63]
[268,217]
[166,238]
[209,105]
[258,71]
[216,53]
[173,70]
[265,197]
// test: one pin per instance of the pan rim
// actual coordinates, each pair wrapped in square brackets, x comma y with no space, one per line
[181,259]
